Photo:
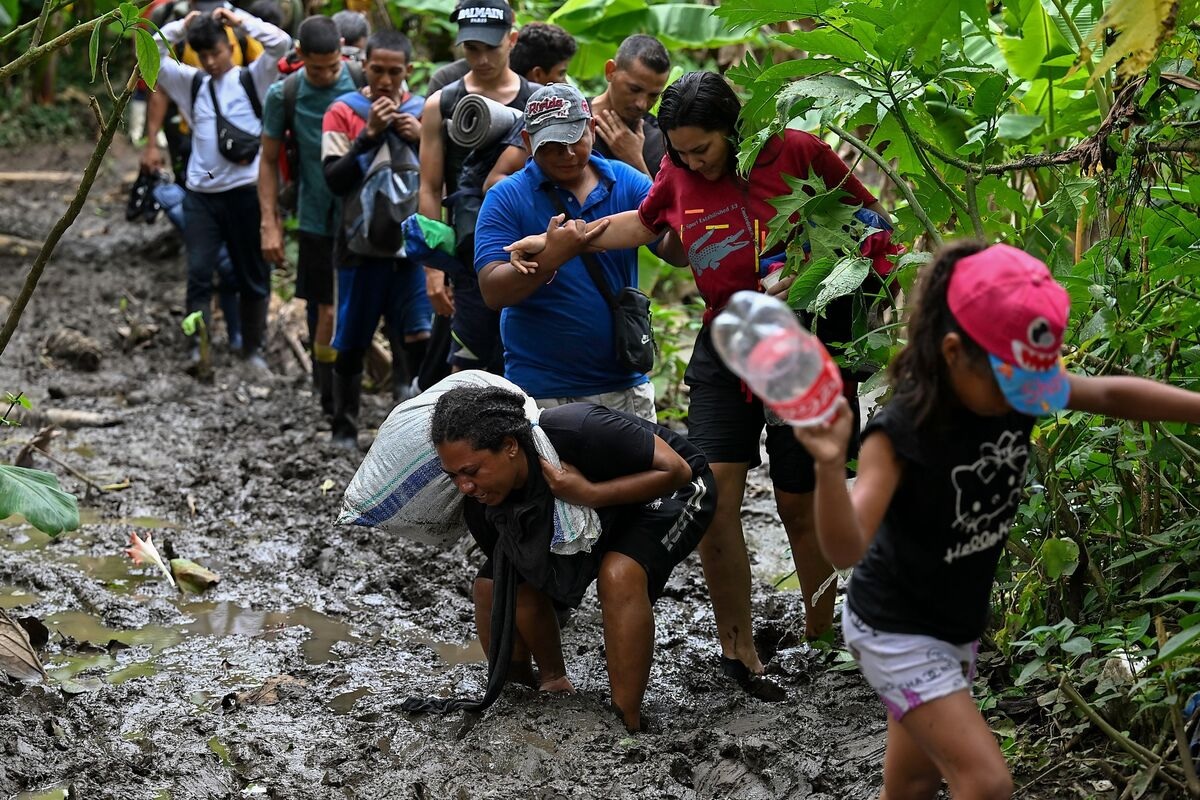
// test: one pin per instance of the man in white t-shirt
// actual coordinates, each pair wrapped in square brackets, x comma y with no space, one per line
[222,202]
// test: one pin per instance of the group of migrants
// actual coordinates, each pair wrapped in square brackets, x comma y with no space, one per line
[545,229]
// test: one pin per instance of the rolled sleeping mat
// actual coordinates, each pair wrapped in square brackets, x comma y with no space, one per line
[479,122]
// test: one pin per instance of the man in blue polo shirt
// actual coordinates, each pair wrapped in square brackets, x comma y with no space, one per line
[556,326]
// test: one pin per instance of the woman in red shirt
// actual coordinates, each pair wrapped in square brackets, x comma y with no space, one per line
[720,219]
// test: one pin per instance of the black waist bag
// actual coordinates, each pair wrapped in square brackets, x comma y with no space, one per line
[232,142]
[633,334]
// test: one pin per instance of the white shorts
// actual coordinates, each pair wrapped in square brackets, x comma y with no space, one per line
[908,669]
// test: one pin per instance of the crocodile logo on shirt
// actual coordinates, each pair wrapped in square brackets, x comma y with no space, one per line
[703,256]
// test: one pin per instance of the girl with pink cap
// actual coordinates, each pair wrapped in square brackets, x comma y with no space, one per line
[941,473]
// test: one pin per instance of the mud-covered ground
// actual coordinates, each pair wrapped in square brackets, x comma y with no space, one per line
[153,693]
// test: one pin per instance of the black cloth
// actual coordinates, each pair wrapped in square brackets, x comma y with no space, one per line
[314,268]
[504,627]
[725,421]
[653,149]
[930,568]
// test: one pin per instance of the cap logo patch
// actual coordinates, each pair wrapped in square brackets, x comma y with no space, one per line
[480,15]
[548,108]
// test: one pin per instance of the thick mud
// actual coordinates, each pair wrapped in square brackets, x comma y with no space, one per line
[285,680]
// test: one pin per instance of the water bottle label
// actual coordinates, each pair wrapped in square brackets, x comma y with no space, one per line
[816,404]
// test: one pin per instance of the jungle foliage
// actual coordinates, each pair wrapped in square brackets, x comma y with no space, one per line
[1070,129]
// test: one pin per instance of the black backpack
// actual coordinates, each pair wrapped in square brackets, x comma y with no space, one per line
[233,143]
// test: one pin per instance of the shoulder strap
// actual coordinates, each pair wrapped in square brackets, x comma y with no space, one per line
[197,83]
[356,73]
[358,104]
[414,105]
[593,267]
[451,94]
[243,46]
[291,92]
[247,81]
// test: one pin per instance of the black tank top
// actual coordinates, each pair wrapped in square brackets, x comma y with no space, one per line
[455,155]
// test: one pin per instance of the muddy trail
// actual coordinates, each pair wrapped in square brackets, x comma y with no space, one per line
[285,679]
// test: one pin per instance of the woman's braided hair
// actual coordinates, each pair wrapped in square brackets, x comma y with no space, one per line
[483,416]
[919,371]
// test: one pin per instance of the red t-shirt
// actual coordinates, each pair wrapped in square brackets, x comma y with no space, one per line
[723,223]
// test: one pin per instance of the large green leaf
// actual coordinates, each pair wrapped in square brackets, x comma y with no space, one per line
[765,12]
[147,55]
[1040,52]
[9,11]
[602,20]
[1060,556]
[825,42]
[695,27]
[845,277]
[36,496]
[1182,643]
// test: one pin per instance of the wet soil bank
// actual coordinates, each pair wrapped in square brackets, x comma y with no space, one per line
[285,680]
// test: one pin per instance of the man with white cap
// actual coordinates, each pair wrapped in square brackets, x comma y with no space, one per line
[485,30]
[557,327]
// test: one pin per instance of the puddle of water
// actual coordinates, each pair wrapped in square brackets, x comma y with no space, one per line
[15,596]
[23,535]
[141,669]
[56,792]
[92,516]
[84,627]
[344,703]
[83,451]
[450,653]
[227,619]
[116,572]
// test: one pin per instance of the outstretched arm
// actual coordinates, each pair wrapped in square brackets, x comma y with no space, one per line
[1133,398]
[847,522]
[617,232]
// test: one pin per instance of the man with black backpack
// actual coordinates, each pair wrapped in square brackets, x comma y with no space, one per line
[486,34]
[368,149]
[292,116]
[223,106]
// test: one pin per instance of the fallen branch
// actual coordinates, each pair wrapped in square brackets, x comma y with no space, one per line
[1143,755]
[85,186]
[293,343]
[55,460]
[37,176]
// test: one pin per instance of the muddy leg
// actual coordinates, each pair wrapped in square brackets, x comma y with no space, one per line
[628,633]
[796,511]
[536,623]
[727,567]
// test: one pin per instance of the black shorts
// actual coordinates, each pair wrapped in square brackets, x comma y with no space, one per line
[475,329]
[657,535]
[725,421]
[314,269]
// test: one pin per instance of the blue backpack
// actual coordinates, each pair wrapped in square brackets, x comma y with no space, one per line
[372,216]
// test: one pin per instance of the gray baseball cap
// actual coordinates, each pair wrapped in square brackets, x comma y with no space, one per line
[556,113]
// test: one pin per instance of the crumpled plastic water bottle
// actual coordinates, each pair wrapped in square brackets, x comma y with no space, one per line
[763,343]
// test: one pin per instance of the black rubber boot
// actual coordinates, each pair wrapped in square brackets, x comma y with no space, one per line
[323,384]
[254,330]
[347,398]
[402,388]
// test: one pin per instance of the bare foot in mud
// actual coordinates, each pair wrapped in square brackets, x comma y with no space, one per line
[561,685]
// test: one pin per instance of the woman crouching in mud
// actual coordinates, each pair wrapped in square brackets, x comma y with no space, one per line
[652,490]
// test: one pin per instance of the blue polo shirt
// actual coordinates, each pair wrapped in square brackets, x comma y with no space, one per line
[558,342]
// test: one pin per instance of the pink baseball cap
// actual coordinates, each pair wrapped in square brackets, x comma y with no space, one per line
[1009,303]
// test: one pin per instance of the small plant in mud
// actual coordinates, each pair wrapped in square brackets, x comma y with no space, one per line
[193,325]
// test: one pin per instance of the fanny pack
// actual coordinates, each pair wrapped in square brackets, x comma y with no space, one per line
[233,143]
[633,334]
